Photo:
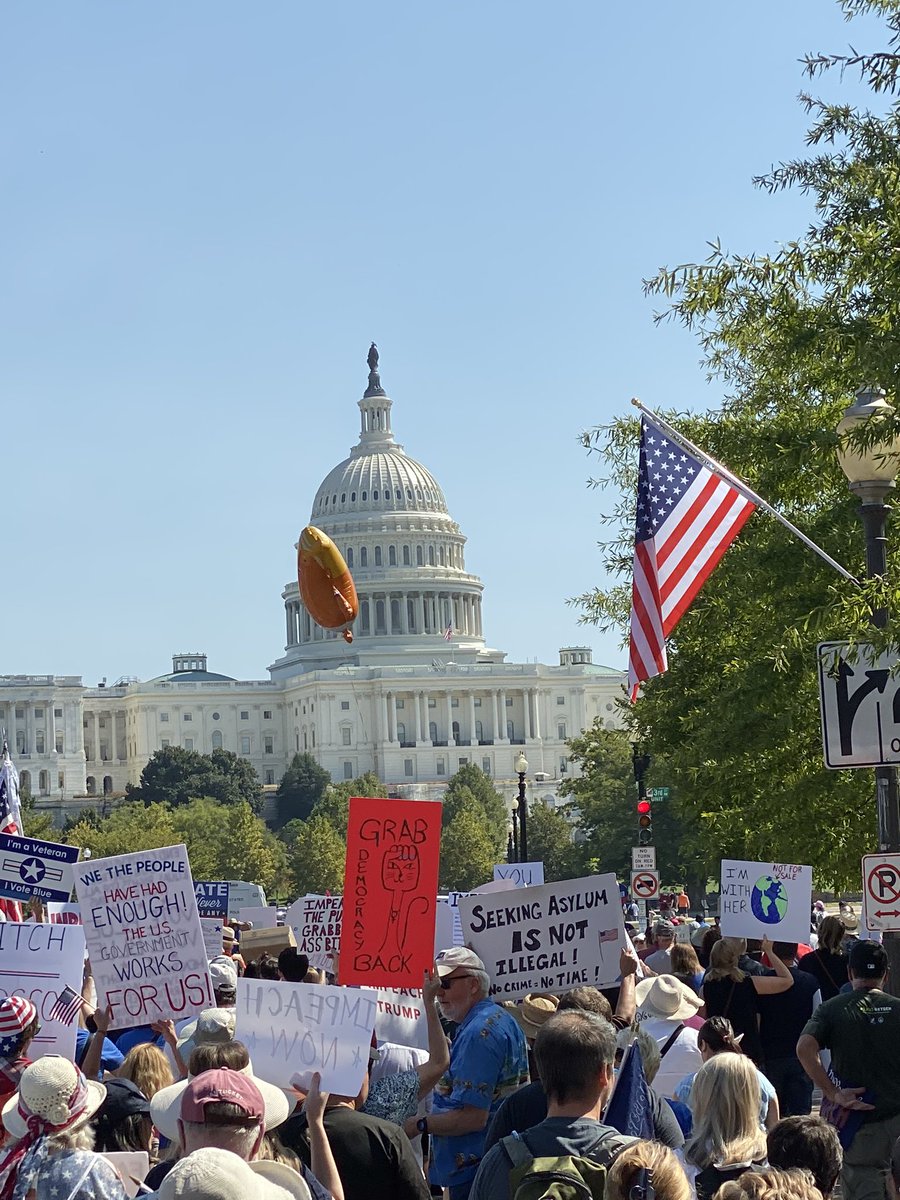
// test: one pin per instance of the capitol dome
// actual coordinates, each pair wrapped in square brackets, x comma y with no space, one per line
[389,517]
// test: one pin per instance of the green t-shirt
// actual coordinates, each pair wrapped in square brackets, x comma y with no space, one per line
[862,1031]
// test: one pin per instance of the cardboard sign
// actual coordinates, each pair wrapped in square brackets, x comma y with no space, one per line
[257,942]
[258,917]
[212,898]
[522,874]
[295,1029]
[38,961]
[316,922]
[144,936]
[390,881]
[29,867]
[547,939]
[443,927]
[760,900]
[212,935]
[63,914]
[401,1017]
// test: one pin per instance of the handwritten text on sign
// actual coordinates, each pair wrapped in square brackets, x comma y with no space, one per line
[765,900]
[390,891]
[295,1029]
[316,922]
[38,961]
[401,1017]
[550,938]
[144,936]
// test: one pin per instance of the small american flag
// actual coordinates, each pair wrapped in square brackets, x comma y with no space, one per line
[448,633]
[67,1006]
[607,935]
[687,517]
[10,822]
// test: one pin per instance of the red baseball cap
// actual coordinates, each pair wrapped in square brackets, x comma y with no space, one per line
[221,1086]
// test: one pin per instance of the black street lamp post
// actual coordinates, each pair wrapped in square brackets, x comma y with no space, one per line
[521,766]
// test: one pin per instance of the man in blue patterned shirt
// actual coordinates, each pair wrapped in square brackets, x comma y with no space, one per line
[488,1061]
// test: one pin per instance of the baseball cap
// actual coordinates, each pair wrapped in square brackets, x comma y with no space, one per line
[222,1086]
[664,929]
[457,956]
[16,1014]
[222,974]
[868,960]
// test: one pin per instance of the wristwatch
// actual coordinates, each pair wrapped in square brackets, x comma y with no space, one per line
[422,1124]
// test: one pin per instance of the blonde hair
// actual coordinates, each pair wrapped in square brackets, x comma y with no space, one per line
[796,1183]
[723,960]
[649,1047]
[725,1099]
[669,1179]
[147,1068]
[684,960]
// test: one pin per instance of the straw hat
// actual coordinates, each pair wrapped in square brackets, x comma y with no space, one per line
[213,1174]
[667,997]
[55,1090]
[535,1009]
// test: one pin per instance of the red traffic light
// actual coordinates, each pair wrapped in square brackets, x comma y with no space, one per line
[643,806]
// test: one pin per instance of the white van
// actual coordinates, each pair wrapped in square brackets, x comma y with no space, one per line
[244,895]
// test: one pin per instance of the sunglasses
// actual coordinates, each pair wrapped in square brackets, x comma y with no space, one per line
[447,982]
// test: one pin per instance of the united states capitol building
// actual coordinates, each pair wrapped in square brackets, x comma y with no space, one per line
[417,694]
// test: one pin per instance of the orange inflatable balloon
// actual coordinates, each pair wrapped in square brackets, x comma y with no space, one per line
[326,586]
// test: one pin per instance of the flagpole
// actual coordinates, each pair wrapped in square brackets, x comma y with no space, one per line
[743,488]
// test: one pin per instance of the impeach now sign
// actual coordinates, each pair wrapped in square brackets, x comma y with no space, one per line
[144,936]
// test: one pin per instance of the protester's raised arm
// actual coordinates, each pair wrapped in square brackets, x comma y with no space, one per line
[438,1061]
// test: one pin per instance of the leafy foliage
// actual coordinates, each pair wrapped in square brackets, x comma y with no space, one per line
[175,776]
[468,851]
[791,335]
[471,784]
[315,855]
[550,842]
[37,824]
[302,786]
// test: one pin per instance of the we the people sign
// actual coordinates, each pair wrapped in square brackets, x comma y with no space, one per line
[765,899]
[144,936]
[550,938]
[390,891]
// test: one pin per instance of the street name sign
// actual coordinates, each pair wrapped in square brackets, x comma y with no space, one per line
[859,699]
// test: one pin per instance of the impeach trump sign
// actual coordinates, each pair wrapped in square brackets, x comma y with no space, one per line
[144,936]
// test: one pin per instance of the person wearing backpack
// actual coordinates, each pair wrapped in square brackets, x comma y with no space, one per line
[567,1154]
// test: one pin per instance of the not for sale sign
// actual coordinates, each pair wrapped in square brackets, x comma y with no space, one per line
[881,892]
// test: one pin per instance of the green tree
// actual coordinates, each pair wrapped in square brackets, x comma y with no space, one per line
[335,804]
[604,797]
[130,826]
[550,842]
[229,841]
[37,824]
[175,776]
[302,786]
[790,336]
[315,856]
[471,783]
[468,849]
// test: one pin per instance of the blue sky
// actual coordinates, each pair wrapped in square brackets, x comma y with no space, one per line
[208,210]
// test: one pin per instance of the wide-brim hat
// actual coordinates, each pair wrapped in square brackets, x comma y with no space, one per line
[213,1174]
[667,997]
[44,1089]
[165,1106]
[535,1009]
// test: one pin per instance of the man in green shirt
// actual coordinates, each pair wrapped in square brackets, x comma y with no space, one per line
[861,1028]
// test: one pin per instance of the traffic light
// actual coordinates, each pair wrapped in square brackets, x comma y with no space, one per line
[645,821]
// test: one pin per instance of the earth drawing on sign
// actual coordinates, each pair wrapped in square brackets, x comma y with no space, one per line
[768,900]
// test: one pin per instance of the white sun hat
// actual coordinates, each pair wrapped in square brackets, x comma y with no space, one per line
[54,1090]
[213,1174]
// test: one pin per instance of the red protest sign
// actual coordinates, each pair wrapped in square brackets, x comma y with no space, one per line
[390,891]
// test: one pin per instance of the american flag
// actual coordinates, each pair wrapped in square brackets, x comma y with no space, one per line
[10,823]
[448,633]
[67,1006]
[687,517]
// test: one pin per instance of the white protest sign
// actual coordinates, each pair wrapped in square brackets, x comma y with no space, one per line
[38,961]
[144,936]
[401,1017]
[522,874]
[443,926]
[63,914]
[295,1029]
[764,899]
[259,918]
[550,938]
[316,922]
[453,899]
[212,935]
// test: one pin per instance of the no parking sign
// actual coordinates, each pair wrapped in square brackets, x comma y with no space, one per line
[881,892]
